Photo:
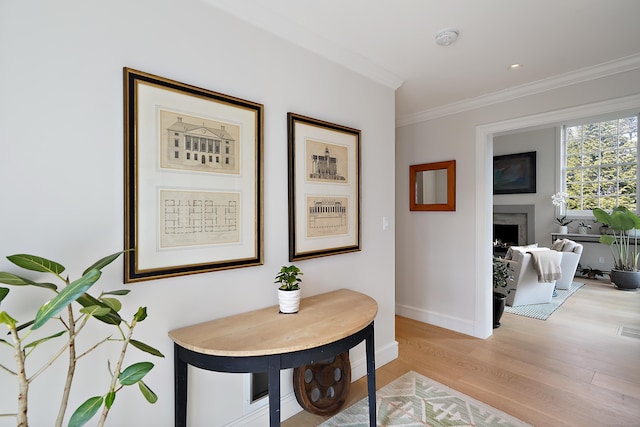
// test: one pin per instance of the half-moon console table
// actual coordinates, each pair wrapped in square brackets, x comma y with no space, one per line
[266,341]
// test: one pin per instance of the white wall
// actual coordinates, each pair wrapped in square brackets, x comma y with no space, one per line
[443,258]
[62,172]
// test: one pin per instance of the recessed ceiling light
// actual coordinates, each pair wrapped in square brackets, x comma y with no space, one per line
[514,67]
[447,36]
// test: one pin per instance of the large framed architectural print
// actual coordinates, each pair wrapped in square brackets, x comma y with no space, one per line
[324,188]
[193,179]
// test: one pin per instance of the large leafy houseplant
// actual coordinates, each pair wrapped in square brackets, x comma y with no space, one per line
[73,320]
[624,245]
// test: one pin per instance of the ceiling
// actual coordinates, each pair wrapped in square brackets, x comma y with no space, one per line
[557,42]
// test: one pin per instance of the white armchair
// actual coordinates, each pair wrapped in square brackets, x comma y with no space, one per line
[571,252]
[524,288]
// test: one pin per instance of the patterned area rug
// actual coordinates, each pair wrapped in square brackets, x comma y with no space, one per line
[415,400]
[543,311]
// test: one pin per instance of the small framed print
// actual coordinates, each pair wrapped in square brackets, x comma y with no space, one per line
[324,188]
[193,179]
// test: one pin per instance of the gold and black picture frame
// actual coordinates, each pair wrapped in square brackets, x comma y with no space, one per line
[324,188]
[193,179]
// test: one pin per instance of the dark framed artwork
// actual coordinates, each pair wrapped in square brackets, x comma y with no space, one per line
[193,179]
[514,173]
[324,188]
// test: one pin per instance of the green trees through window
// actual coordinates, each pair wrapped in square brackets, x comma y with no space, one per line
[601,164]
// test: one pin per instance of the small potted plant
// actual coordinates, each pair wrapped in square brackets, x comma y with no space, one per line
[583,227]
[591,273]
[563,222]
[501,276]
[289,289]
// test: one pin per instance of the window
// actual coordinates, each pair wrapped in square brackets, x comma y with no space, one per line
[176,155]
[176,142]
[600,165]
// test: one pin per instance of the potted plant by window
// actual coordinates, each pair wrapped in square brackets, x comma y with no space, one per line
[289,290]
[563,222]
[560,199]
[624,245]
[501,276]
[583,227]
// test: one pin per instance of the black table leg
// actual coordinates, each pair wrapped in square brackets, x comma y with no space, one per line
[371,375]
[180,391]
[274,390]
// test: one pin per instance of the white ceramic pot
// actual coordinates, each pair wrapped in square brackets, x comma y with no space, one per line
[563,229]
[289,301]
[583,230]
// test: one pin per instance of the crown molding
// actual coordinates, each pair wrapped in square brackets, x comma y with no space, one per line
[256,14]
[622,65]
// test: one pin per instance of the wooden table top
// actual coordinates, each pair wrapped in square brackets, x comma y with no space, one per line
[322,319]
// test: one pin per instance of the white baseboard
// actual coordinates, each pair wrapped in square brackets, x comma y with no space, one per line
[449,322]
[288,403]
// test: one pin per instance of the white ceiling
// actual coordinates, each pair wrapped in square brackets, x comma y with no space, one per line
[393,42]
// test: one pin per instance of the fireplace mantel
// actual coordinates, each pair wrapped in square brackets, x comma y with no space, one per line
[528,210]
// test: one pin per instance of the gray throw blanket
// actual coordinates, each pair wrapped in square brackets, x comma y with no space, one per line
[547,264]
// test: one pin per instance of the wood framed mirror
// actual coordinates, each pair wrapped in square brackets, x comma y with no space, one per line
[433,186]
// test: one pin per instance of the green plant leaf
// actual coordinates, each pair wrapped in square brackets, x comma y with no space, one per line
[147,392]
[141,314]
[7,320]
[41,340]
[24,325]
[95,310]
[85,411]
[146,348]
[134,373]
[36,263]
[607,239]
[112,318]
[3,293]
[103,262]
[12,279]
[65,297]
[109,399]
[117,292]
[113,303]
[602,216]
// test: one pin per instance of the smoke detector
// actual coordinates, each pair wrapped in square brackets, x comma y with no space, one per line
[447,36]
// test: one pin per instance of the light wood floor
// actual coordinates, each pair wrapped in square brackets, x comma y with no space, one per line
[574,369]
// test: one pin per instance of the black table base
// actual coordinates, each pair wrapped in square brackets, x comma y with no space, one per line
[272,364]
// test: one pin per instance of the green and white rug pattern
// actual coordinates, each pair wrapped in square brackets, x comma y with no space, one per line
[415,400]
[543,311]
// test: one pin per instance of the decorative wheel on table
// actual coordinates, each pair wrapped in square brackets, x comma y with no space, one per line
[323,387]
